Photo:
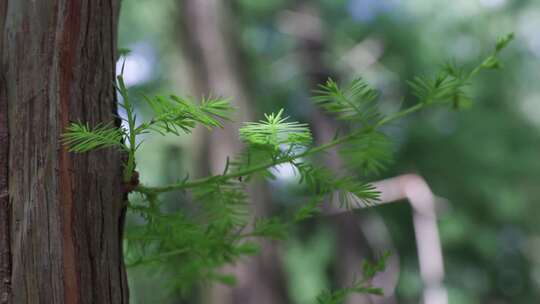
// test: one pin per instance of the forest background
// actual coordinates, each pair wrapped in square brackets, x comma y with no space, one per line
[482,163]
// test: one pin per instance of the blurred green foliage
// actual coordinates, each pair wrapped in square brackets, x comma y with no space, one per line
[483,161]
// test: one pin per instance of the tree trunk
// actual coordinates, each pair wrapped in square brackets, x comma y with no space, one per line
[5,252]
[65,211]
[213,69]
[216,68]
[352,245]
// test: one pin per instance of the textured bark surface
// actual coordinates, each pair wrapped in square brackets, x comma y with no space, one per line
[67,212]
[5,246]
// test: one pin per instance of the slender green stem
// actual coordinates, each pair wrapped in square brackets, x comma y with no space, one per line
[251,170]
[245,172]
[159,256]
[333,143]
[130,166]
[400,114]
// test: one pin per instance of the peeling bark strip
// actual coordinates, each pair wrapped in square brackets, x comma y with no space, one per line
[58,63]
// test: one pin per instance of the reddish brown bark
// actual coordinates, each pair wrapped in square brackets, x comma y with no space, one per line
[65,212]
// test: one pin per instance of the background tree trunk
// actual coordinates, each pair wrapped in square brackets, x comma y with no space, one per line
[210,46]
[65,211]
[352,243]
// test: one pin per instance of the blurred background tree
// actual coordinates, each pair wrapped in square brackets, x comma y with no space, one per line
[271,53]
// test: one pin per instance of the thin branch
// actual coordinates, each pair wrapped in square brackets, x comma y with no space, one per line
[251,170]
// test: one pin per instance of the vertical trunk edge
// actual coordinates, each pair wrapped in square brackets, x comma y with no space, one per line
[5,246]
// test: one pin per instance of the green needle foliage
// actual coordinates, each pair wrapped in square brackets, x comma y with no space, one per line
[81,138]
[176,113]
[192,243]
[362,285]
[276,132]
[356,103]
[369,153]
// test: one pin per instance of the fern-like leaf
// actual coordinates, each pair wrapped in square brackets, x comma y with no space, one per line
[355,103]
[361,286]
[82,138]
[309,210]
[177,113]
[273,228]
[276,132]
[350,192]
[447,86]
[224,203]
[368,153]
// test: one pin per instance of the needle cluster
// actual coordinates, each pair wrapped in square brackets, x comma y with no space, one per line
[219,230]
